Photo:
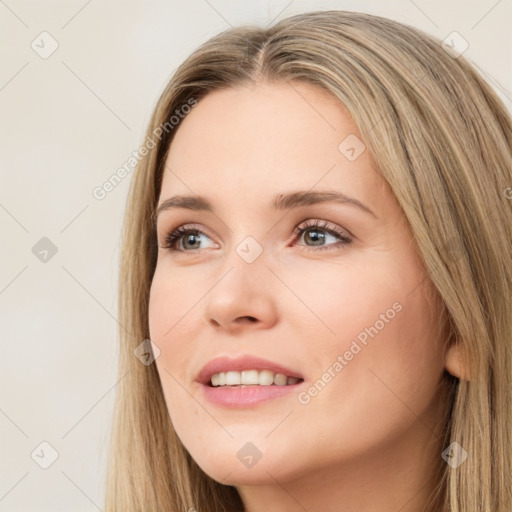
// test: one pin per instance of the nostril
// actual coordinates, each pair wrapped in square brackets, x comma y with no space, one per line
[249,318]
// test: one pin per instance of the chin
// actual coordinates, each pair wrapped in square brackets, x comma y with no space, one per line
[244,465]
[237,474]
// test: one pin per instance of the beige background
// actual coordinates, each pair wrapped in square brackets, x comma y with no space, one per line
[67,123]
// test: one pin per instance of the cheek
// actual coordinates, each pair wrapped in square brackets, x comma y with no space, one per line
[374,358]
[339,300]
[387,366]
[170,311]
[164,312]
[162,303]
[172,298]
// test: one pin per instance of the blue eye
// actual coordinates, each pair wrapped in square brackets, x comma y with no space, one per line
[189,236]
[316,232]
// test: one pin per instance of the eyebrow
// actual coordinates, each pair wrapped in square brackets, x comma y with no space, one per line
[280,202]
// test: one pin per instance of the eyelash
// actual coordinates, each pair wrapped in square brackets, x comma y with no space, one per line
[172,238]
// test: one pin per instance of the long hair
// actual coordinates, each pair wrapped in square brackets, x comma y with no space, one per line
[442,139]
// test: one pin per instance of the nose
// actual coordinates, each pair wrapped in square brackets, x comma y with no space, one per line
[243,298]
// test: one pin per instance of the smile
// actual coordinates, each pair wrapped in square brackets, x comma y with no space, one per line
[252,378]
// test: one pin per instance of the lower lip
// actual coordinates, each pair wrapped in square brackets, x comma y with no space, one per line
[245,396]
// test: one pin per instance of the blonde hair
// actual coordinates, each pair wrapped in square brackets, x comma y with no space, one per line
[442,140]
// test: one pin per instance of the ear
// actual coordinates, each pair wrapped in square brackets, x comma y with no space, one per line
[454,363]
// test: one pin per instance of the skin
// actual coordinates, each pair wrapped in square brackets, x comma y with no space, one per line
[370,439]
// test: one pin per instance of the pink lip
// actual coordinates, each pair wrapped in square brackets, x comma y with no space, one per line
[243,396]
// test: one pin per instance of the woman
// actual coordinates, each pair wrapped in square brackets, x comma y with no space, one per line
[316,277]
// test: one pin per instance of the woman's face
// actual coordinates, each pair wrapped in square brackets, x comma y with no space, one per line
[345,305]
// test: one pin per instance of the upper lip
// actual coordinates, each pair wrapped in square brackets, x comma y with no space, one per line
[241,363]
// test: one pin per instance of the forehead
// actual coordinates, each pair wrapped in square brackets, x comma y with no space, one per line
[253,142]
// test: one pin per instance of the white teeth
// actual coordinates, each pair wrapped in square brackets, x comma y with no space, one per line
[252,378]
[233,378]
[266,378]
